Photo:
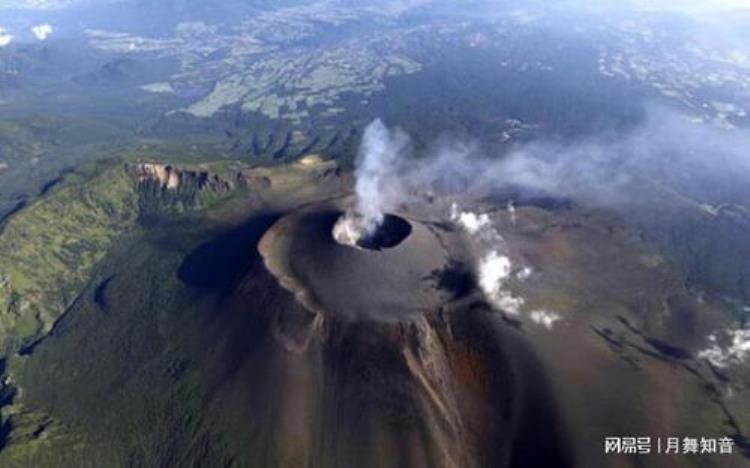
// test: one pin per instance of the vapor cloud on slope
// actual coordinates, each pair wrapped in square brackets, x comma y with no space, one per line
[5,38]
[42,31]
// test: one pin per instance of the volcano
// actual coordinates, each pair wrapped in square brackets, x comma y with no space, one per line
[248,335]
[369,359]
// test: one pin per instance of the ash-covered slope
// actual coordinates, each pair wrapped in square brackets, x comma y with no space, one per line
[368,362]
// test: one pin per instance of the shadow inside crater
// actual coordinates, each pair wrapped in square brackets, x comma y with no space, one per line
[389,234]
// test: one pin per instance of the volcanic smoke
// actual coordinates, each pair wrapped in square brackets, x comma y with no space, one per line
[377,165]
[384,176]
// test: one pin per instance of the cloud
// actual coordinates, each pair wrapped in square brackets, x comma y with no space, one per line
[544,318]
[494,268]
[472,222]
[5,37]
[665,161]
[42,31]
[690,6]
[666,155]
[727,347]
[46,4]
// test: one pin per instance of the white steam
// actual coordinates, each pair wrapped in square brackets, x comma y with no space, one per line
[545,318]
[727,347]
[472,222]
[495,268]
[511,207]
[377,173]
[667,156]
[494,271]
[42,31]
[5,38]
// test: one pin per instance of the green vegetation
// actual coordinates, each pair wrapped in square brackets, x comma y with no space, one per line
[49,250]
[39,437]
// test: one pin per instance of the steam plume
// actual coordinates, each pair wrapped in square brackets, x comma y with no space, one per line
[42,31]
[494,267]
[666,167]
[378,162]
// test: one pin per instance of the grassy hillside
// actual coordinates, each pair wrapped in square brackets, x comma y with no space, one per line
[48,250]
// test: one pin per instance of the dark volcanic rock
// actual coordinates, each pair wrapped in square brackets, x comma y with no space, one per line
[369,363]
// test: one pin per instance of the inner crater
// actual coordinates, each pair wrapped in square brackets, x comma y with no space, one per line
[390,233]
[384,276]
[351,229]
